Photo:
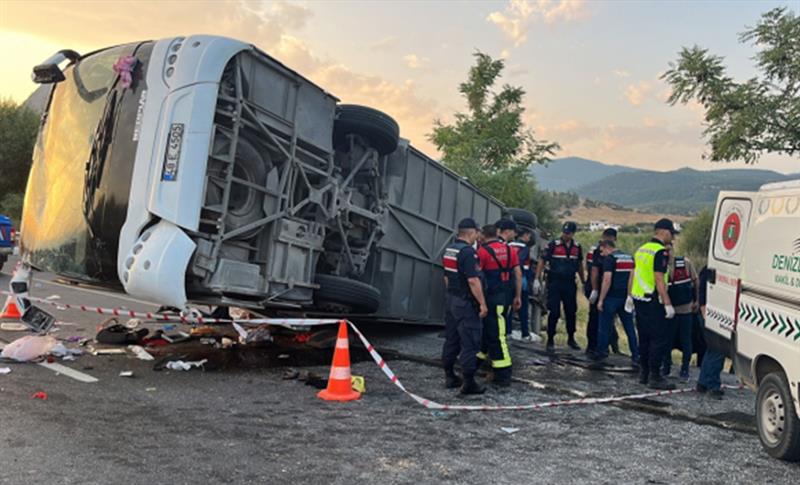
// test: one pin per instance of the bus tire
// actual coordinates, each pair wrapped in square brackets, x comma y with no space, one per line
[379,129]
[776,419]
[336,291]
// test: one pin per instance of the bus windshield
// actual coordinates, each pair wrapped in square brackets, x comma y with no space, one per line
[56,231]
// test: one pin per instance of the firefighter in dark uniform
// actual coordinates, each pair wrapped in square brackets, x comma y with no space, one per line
[564,256]
[591,290]
[651,299]
[465,307]
[500,266]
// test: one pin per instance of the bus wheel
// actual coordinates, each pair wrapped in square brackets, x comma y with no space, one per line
[778,424]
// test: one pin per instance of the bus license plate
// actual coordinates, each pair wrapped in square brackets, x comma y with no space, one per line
[173,156]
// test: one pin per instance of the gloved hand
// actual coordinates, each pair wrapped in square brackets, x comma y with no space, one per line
[629,304]
[670,311]
[537,286]
[593,297]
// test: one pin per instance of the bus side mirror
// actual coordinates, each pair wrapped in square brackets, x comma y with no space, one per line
[48,72]
[712,276]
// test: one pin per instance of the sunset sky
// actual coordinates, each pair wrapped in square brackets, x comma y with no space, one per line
[590,68]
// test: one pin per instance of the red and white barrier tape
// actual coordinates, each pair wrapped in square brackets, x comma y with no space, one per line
[189,320]
[427,403]
[310,322]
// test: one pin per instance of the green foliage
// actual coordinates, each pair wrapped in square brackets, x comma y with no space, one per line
[18,128]
[761,115]
[11,206]
[628,242]
[696,236]
[490,145]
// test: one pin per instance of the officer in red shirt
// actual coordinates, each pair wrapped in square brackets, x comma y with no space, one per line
[563,256]
[500,266]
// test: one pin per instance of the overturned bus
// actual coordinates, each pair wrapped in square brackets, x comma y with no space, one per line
[199,169]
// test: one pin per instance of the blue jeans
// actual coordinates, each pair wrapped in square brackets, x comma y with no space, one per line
[611,307]
[680,326]
[710,369]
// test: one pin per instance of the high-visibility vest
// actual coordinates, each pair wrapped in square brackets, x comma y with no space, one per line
[644,277]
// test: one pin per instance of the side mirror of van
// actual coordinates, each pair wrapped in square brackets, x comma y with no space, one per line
[712,276]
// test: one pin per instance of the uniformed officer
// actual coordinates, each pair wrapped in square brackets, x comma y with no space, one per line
[523,247]
[649,295]
[464,309]
[617,268]
[500,266]
[682,287]
[563,256]
[594,272]
[506,233]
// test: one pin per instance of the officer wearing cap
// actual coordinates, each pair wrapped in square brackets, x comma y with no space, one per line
[500,266]
[563,256]
[465,307]
[649,295]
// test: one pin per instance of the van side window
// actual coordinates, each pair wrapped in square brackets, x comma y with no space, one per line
[731,225]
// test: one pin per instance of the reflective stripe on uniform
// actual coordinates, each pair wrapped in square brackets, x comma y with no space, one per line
[501,326]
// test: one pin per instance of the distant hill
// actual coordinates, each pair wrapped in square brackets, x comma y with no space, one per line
[682,191]
[569,173]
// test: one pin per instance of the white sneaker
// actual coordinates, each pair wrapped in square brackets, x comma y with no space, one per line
[532,338]
[516,335]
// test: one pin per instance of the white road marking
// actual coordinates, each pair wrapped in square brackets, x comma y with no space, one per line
[61,369]
[107,294]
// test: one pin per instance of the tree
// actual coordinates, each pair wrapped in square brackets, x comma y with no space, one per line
[696,236]
[490,145]
[18,128]
[761,115]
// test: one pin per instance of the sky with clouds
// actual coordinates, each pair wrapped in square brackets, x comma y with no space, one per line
[590,68]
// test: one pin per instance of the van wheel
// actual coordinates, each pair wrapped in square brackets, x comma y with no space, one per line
[523,217]
[381,130]
[778,424]
[338,294]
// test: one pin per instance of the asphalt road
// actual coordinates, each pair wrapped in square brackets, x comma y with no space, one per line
[246,424]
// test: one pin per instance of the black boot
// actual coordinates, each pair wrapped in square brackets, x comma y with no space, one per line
[551,345]
[659,383]
[451,380]
[644,376]
[573,344]
[470,386]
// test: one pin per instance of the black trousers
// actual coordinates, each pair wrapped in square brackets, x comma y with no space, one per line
[652,328]
[462,334]
[593,329]
[561,293]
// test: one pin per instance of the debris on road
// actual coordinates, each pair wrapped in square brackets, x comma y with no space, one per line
[13,327]
[509,430]
[140,352]
[39,395]
[117,334]
[183,365]
[5,370]
[28,348]
[126,373]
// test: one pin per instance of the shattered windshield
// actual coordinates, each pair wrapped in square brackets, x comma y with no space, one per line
[54,225]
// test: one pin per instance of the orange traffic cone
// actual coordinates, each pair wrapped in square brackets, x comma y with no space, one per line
[339,382]
[10,310]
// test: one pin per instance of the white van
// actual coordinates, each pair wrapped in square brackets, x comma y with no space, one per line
[753,307]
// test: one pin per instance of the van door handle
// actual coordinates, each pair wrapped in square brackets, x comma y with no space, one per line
[712,276]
